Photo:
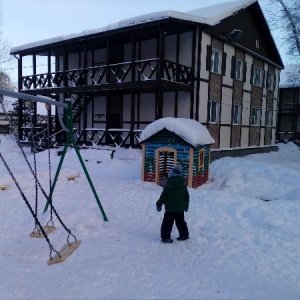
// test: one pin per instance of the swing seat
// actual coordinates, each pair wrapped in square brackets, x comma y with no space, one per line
[38,234]
[3,188]
[64,253]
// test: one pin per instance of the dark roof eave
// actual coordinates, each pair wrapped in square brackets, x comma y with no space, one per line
[77,39]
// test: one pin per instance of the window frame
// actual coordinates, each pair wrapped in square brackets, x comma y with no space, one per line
[269,118]
[213,68]
[257,76]
[239,66]
[270,84]
[255,116]
[214,105]
[236,114]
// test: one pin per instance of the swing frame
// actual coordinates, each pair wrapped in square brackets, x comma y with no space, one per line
[68,128]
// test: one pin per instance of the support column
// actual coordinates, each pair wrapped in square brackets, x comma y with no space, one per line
[132,104]
[21,101]
[161,47]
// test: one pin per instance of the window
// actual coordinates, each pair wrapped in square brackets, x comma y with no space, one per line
[255,116]
[239,66]
[236,118]
[213,111]
[216,61]
[257,76]
[269,118]
[270,81]
[201,159]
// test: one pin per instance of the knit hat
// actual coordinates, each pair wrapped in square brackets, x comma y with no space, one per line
[175,171]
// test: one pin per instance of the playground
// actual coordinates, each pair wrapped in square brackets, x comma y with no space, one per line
[240,246]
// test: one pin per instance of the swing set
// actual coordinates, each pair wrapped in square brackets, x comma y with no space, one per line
[42,231]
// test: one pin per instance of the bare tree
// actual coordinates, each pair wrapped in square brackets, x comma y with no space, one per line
[284,16]
[5,59]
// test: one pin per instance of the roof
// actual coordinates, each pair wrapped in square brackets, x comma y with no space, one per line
[210,15]
[189,130]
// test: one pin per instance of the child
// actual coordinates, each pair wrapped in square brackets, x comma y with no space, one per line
[175,197]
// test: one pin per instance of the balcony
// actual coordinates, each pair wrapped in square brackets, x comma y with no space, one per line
[137,74]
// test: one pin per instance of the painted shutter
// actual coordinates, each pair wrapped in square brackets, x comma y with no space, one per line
[208,58]
[251,78]
[233,65]
[224,56]
[245,71]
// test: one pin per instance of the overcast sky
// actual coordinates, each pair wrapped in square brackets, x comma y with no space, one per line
[26,21]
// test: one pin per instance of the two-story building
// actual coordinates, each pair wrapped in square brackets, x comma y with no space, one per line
[218,65]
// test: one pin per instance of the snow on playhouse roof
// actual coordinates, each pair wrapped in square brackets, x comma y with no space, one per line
[189,130]
[210,15]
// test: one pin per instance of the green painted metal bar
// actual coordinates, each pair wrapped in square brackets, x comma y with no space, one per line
[70,138]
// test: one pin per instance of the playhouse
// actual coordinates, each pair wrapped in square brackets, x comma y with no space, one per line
[170,141]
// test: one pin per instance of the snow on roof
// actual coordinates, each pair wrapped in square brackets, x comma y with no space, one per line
[190,130]
[210,15]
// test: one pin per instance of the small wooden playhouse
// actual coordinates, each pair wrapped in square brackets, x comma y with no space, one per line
[170,141]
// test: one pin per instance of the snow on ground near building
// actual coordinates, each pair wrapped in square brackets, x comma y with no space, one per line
[240,246]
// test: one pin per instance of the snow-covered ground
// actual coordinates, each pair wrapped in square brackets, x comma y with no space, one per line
[240,246]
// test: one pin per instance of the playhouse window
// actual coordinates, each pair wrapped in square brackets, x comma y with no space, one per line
[201,159]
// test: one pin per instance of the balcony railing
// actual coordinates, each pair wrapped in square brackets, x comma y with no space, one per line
[140,70]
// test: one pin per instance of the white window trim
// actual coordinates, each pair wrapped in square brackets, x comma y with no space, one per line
[217,110]
[239,115]
[256,117]
[213,59]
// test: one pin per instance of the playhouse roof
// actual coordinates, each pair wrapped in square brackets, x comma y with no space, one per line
[189,130]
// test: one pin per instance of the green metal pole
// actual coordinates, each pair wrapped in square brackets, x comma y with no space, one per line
[70,138]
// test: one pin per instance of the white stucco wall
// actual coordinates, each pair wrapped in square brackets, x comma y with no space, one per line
[169,104]
[170,48]
[147,107]
[100,107]
[244,136]
[185,49]
[225,133]
[230,52]
[249,61]
[203,102]
[226,105]
[206,40]
[184,102]
[246,108]
[149,49]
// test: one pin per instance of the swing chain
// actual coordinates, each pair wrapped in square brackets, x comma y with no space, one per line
[25,199]
[49,164]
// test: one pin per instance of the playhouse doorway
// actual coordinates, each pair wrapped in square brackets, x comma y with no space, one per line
[166,158]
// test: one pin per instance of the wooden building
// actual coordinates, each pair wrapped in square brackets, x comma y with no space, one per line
[170,141]
[288,124]
[217,65]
